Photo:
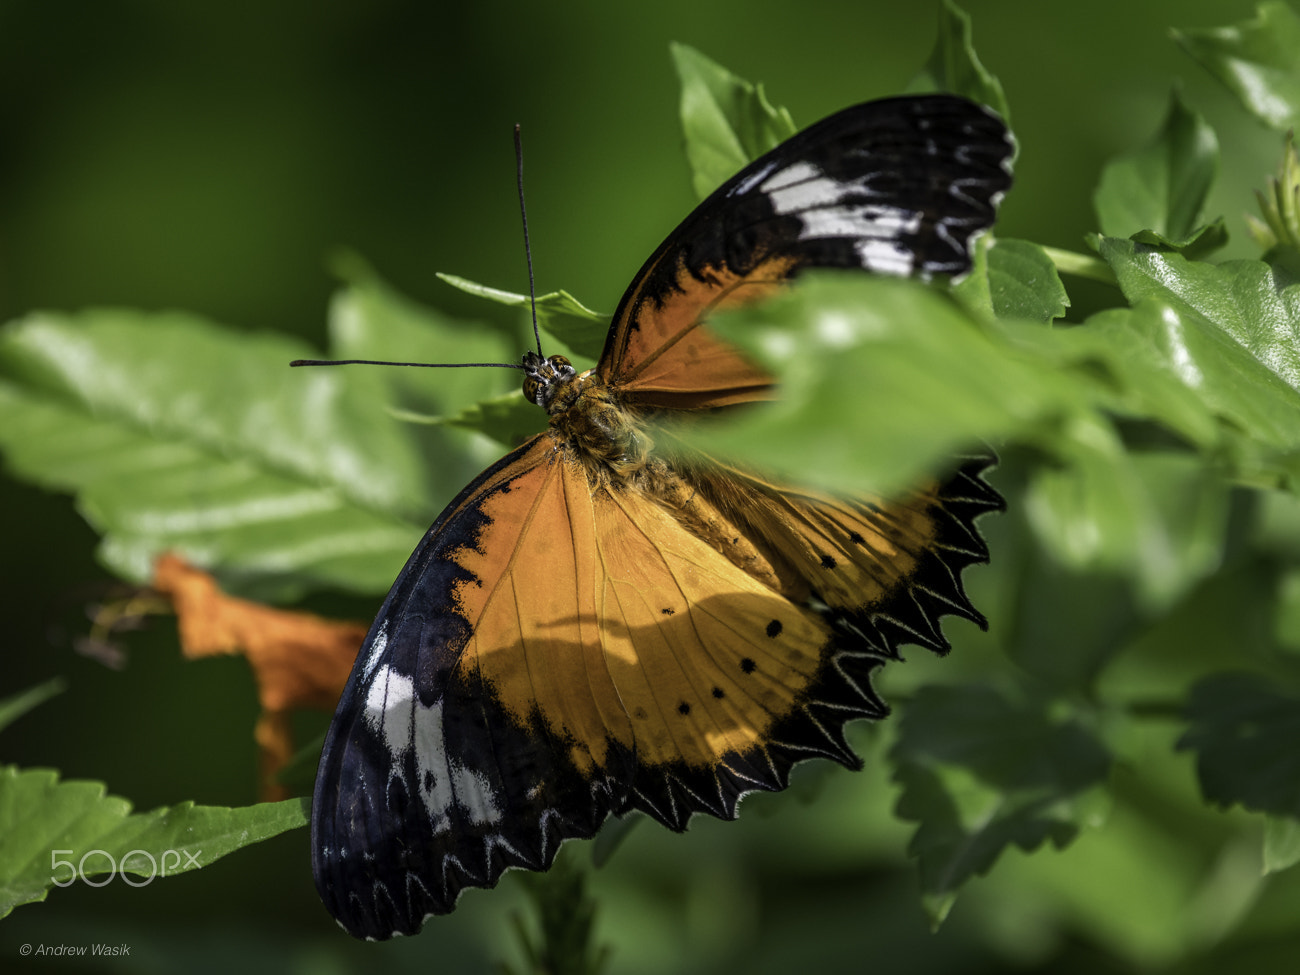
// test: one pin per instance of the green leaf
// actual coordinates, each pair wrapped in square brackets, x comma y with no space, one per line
[1023,282]
[1248,309]
[1065,624]
[16,705]
[1281,843]
[1162,187]
[509,419]
[981,773]
[955,67]
[1244,730]
[369,319]
[562,316]
[930,378]
[57,833]
[726,120]
[1258,60]
[179,435]
[1286,624]
[1159,517]
[1194,246]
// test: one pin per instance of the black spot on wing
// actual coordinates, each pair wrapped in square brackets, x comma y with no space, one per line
[774,628]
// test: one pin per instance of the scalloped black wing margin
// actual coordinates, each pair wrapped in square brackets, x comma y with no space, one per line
[842,688]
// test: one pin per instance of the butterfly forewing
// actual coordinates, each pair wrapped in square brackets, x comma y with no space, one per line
[593,626]
[896,186]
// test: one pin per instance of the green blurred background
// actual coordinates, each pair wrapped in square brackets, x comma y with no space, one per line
[211,157]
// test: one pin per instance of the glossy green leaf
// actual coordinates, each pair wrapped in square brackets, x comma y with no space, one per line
[1162,187]
[954,66]
[1194,246]
[1243,729]
[1248,312]
[726,120]
[179,435]
[1258,60]
[59,833]
[562,316]
[1281,843]
[981,773]
[16,705]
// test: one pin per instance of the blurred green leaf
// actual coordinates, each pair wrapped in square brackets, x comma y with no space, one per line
[16,705]
[369,319]
[955,67]
[559,314]
[565,916]
[930,378]
[1162,187]
[981,773]
[1066,624]
[1258,60]
[1281,843]
[1244,730]
[178,435]
[1287,621]
[48,824]
[726,120]
[508,419]
[1158,517]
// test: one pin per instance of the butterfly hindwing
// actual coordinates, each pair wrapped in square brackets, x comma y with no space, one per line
[895,186]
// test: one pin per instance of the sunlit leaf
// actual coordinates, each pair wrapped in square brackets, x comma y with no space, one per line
[58,833]
[176,434]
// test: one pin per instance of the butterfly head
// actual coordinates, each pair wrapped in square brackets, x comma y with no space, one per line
[543,378]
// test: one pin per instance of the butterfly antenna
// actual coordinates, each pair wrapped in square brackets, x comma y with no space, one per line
[423,365]
[528,250]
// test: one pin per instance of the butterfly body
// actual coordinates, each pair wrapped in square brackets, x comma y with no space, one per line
[606,620]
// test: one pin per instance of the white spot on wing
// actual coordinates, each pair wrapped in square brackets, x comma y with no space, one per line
[394,714]
[818,201]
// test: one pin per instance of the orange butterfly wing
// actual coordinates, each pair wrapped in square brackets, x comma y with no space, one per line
[591,627]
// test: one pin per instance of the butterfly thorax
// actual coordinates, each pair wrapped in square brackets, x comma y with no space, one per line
[587,417]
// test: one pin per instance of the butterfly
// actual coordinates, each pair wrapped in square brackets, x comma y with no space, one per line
[604,620]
